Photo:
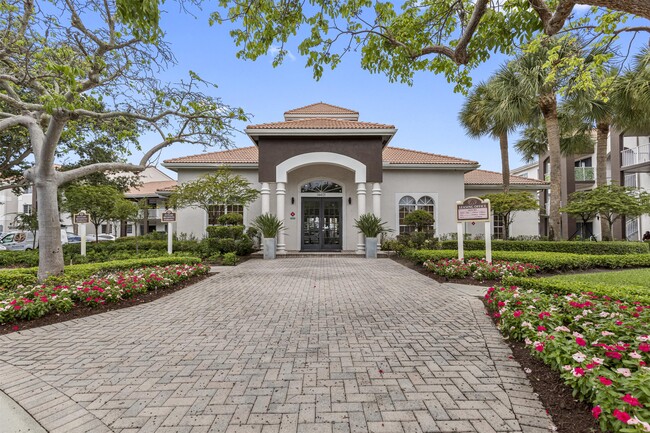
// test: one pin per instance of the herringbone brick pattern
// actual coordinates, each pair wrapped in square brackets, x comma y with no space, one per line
[294,345]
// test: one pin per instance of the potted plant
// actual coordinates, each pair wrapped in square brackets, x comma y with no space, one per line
[371,226]
[269,225]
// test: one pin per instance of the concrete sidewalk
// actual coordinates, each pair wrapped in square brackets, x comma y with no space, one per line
[292,345]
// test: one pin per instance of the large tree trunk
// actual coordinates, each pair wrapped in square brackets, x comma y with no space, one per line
[602,132]
[50,252]
[548,104]
[505,161]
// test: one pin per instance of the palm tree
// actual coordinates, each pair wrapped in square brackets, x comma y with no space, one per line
[483,113]
[531,83]
[632,91]
[575,138]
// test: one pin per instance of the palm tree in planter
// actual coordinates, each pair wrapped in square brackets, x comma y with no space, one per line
[371,226]
[269,225]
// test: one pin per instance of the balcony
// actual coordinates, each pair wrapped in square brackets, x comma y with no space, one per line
[585,174]
[636,159]
[155,214]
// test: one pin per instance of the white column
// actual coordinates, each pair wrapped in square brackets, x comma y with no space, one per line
[170,238]
[266,198]
[361,209]
[376,199]
[280,192]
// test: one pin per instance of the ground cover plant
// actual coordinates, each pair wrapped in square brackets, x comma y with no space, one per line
[34,301]
[479,270]
[599,343]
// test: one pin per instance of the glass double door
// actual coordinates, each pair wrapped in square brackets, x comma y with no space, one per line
[321,224]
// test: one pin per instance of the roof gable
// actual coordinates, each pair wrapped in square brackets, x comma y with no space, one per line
[321,109]
[485,177]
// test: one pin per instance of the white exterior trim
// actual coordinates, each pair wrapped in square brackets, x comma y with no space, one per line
[417,196]
[282,169]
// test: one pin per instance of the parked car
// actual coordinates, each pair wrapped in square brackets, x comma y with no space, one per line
[101,238]
[73,239]
[23,240]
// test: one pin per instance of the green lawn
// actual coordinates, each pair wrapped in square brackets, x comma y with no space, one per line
[639,278]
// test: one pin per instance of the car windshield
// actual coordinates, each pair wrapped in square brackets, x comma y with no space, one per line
[7,239]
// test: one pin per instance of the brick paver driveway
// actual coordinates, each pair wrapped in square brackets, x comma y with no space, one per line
[289,345]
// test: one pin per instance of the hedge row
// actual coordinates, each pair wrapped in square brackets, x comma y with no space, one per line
[547,261]
[12,278]
[628,292]
[10,259]
[575,247]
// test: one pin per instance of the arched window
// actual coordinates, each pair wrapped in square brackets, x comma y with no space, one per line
[426,203]
[407,204]
[319,186]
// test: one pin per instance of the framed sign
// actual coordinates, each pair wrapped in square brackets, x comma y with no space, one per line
[168,216]
[473,209]
[81,218]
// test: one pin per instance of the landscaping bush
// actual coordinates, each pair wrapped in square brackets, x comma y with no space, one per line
[229,259]
[574,247]
[224,232]
[547,261]
[599,344]
[31,302]
[12,278]
[10,259]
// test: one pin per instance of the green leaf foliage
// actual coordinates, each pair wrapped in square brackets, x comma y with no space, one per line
[372,226]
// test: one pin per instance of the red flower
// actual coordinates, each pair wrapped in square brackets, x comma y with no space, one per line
[541,328]
[581,342]
[631,400]
[605,381]
[623,417]
[539,347]
[517,313]
[596,411]
[15,328]
[501,304]
[614,355]
[644,347]
[618,322]
[17,307]
[590,366]
[544,314]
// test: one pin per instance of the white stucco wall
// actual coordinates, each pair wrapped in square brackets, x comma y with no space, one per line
[446,187]
[524,223]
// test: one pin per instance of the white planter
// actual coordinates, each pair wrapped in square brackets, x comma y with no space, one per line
[371,248]
[269,248]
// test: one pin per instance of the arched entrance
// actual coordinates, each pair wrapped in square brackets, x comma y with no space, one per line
[322,216]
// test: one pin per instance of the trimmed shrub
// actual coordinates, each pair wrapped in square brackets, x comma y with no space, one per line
[547,261]
[231,219]
[225,232]
[12,278]
[229,259]
[10,259]
[547,285]
[575,247]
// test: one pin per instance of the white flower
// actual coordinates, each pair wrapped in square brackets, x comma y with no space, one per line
[624,371]
[579,357]
[562,329]
[567,368]
[528,341]
[598,361]
[578,335]
[635,355]
[528,370]
[604,314]
[643,338]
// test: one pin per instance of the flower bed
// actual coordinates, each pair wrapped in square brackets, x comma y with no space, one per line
[600,345]
[479,269]
[31,302]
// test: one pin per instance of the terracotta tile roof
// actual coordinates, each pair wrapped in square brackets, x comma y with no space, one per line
[396,155]
[244,155]
[320,123]
[320,108]
[484,177]
[391,155]
[150,188]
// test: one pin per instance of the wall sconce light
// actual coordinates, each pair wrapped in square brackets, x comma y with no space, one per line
[293,200]
[349,200]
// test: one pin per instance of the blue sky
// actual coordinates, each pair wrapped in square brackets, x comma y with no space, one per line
[425,114]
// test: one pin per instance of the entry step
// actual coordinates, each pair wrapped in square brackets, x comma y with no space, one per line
[298,254]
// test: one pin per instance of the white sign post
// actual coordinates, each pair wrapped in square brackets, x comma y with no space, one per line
[473,209]
[81,219]
[169,217]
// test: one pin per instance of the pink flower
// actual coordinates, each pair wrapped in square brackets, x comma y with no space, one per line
[541,328]
[631,400]
[624,417]
[644,347]
[581,342]
[605,381]
[624,371]
[517,313]
[539,346]
[544,314]
[596,411]
[614,355]
[578,372]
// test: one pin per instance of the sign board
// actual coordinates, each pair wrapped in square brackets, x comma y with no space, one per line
[473,209]
[81,218]
[168,216]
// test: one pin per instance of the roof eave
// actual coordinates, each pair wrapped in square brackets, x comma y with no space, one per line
[526,187]
[456,167]
[175,165]
[386,133]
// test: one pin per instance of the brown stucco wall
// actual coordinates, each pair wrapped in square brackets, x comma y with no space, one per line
[274,150]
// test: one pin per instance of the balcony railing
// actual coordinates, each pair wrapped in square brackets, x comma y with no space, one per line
[632,229]
[630,180]
[585,174]
[155,214]
[637,155]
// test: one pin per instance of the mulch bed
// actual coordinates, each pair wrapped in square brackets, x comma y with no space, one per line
[84,311]
[569,415]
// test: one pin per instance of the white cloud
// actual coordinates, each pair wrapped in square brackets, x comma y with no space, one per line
[288,54]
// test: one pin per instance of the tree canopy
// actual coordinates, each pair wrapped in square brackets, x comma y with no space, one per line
[506,205]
